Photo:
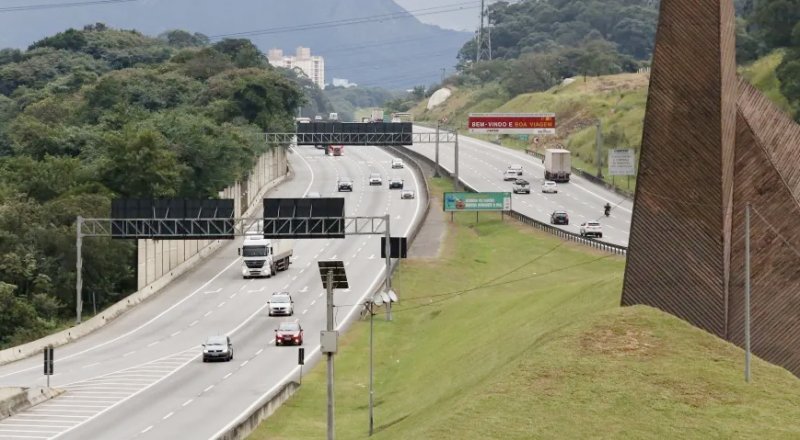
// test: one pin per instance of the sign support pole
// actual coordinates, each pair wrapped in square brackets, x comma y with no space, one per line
[78,271]
[598,144]
[388,285]
[329,327]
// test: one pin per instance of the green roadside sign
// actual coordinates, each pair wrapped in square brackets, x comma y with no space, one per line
[467,201]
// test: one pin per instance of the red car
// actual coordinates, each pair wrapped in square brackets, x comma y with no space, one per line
[289,333]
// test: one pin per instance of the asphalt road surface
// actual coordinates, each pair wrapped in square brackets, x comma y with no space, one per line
[482,165]
[142,375]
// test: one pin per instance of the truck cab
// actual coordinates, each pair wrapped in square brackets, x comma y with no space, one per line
[262,257]
[335,150]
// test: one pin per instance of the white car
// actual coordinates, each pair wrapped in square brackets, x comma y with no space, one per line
[407,194]
[375,179]
[516,168]
[397,163]
[591,228]
[313,195]
[521,186]
[510,175]
[549,187]
[280,303]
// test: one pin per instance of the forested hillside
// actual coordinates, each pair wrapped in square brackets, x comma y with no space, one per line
[89,115]
[538,43]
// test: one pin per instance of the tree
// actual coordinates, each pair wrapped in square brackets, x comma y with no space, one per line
[182,39]
[139,164]
[775,20]
[242,52]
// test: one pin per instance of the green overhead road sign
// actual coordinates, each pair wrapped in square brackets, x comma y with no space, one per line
[466,201]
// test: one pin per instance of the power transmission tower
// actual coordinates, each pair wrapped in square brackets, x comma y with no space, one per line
[484,43]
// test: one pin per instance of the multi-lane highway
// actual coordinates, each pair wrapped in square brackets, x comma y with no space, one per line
[142,376]
[481,165]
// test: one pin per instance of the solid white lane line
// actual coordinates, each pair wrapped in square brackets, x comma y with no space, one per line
[153,319]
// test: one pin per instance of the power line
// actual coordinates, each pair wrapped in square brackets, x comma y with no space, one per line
[350,21]
[61,5]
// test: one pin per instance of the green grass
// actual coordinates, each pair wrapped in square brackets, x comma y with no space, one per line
[548,356]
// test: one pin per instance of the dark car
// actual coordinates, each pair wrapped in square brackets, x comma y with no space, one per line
[559,218]
[345,184]
[289,333]
[218,348]
[395,183]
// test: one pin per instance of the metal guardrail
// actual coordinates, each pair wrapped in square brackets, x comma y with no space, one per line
[381,139]
[588,176]
[597,244]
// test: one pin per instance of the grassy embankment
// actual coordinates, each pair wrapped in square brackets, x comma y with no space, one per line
[543,351]
[617,100]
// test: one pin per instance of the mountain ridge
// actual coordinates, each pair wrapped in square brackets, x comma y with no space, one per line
[396,65]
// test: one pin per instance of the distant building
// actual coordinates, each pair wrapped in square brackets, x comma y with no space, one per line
[312,67]
[341,82]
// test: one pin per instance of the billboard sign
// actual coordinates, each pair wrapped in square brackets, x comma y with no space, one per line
[622,162]
[512,123]
[466,201]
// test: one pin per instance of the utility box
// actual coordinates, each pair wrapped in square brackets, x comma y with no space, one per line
[329,341]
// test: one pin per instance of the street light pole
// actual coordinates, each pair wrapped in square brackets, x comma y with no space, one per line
[747,293]
[455,177]
[436,169]
[598,144]
[79,271]
[371,374]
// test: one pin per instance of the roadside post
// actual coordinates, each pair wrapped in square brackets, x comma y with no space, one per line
[301,360]
[48,363]
[333,277]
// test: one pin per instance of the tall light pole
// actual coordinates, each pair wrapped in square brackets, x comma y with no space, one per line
[747,293]
[436,168]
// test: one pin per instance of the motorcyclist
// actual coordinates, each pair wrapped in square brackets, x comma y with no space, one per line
[607,209]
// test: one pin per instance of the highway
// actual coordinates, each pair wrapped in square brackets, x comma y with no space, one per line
[482,165]
[142,376]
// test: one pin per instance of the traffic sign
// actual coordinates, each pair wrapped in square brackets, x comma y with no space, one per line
[622,162]
[466,201]
[512,123]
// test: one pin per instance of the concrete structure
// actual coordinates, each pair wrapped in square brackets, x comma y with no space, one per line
[711,145]
[312,66]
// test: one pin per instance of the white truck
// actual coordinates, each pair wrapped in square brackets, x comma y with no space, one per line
[377,115]
[557,165]
[263,257]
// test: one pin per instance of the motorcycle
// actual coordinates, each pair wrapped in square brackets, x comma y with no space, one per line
[607,210]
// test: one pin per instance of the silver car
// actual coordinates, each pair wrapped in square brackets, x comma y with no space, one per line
[218,348]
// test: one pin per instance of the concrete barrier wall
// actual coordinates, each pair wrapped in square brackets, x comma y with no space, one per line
[161,261]
[243,428]
[16,400]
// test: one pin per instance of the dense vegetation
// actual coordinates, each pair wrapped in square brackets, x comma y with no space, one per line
[89,115]
[538,43]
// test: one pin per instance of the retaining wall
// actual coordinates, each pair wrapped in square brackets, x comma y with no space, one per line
[164,260]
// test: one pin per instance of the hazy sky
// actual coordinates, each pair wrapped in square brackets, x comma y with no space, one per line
[463,19]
